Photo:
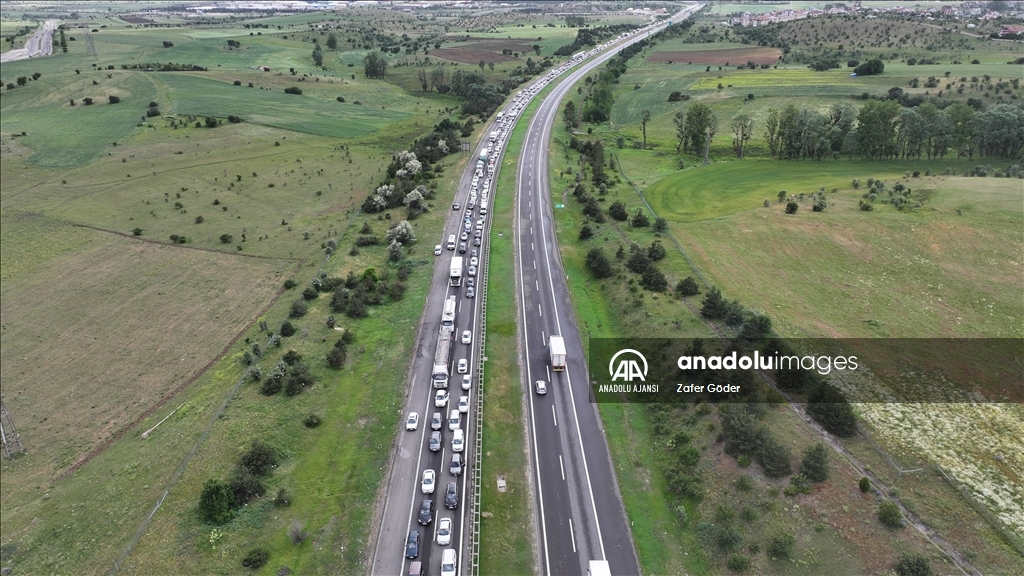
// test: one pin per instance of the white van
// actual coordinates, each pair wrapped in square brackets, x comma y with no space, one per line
[454,419]
[451,242]
[483,209]
[458,441]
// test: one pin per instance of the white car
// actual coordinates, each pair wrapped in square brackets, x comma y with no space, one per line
[464,404]
[427,484]
[441,398]
[467,337]
[467,382]
[449,562]
[541,387]
[444,531]
[474,261]
[458,441]
[413,421]
[437,250]
[471,270]
[463,369]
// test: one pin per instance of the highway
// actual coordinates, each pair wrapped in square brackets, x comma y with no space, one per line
[581,516]
[39,44]
[401,497]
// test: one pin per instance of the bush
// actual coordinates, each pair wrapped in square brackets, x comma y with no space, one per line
[828,405]
[688,287]
[791,207]
[299,377]
[291,358]
[312,421]
[889,514]
[654,280]
[270,387]
[310,293]
[336,357]
[738,563]
[618,211]
[913,564]
[293,90]
[656,251]
[598,263]
[864,484]
[773,457]
[287,329]
[259,459]
[216,502]
[113,99]
[297,532]
[256,558]
[814,465]
[245,485]
[713,305]
[283,498]
[640,219]
[211,122]
[298,309]
[289,284]
[586,232]
[781,547]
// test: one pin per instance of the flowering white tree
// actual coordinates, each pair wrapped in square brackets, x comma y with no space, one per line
[382,197]
[410,165]
[401,233]
[414,200]
[442,145]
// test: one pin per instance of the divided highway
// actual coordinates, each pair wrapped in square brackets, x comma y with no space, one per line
[581,517]
[571,525]
[39,44]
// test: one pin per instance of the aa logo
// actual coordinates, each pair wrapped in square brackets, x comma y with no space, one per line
[627,368]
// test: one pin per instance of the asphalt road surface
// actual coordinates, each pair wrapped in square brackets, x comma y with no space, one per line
[39,44]
[581,517]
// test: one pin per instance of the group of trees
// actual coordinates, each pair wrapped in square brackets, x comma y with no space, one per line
[695,128]
[352,295]
[375,65]
[884,130]
[219,499]
[588,37]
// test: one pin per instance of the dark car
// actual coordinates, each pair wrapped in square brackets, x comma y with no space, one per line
[476,242]
[435,441]
[412,544]
[462,247]
[427,511]
[455,206]
[456,467]
[451,497]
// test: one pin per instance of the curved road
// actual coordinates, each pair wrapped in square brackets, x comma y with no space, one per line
[39,44]
[581,516]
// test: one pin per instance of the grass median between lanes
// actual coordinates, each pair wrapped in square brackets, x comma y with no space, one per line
[506,523]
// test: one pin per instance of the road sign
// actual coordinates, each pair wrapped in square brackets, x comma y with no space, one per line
[559,205]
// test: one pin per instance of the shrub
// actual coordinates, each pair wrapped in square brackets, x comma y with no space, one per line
[216,502]
[791,207]
[256,558]
[654,280]
[291,358]
[889,514]
[310,293]
[773,457]
[293,90]
[781,547]
[913,564]
[864,484]
[259,459]
[598,263]
[738,563]
[336,357]
[270,387]
[640,219]
[298,309]
[586,232]
[713,305]
[283,498]
[814,465]
[245,485]
[297,532]
[688,287]
[226,238]
[656,251]
[289,284]
[618,211]
[287,329]
[113,99]
[312,421]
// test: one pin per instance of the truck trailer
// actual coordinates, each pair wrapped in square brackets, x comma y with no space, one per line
[442,357]
[455,276]
[557,348]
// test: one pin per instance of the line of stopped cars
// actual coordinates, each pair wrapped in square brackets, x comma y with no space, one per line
[471,232]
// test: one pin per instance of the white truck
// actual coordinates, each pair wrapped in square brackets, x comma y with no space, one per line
[557,348]
[448,315]
[494,136]
[455,276]
[599,568]
[442,357]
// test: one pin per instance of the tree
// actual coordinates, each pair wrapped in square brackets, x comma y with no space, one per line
[814,464]
[298,309]
[791,207]
[656,251]
[864,484]
[639,261]
[375,65]
[226,238]
[869,68]
[680,121]
[211,122]
[571,115]
[699,129]
[618,211]
[598,263]
[759,326]
[318,57]
[781,546]
[640,219]
[688,287]
[829,406]
[913,564]
[586,232]
[113,99]
[482,65]
[395,253]
[336,357]
[137,231]
[259,458]
[216,502]
[774,457]
[87,101]
[491,66]
[256,558]
[245,485]
[713,305]
[332,41]
[653,279]
[401,233]
[889,514]
[876,135]
[660,225]
[22,80]
[645,117]
[742,130]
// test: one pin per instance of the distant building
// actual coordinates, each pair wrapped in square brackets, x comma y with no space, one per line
[947,10]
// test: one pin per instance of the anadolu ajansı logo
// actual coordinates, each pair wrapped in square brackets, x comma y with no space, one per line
[628,368]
